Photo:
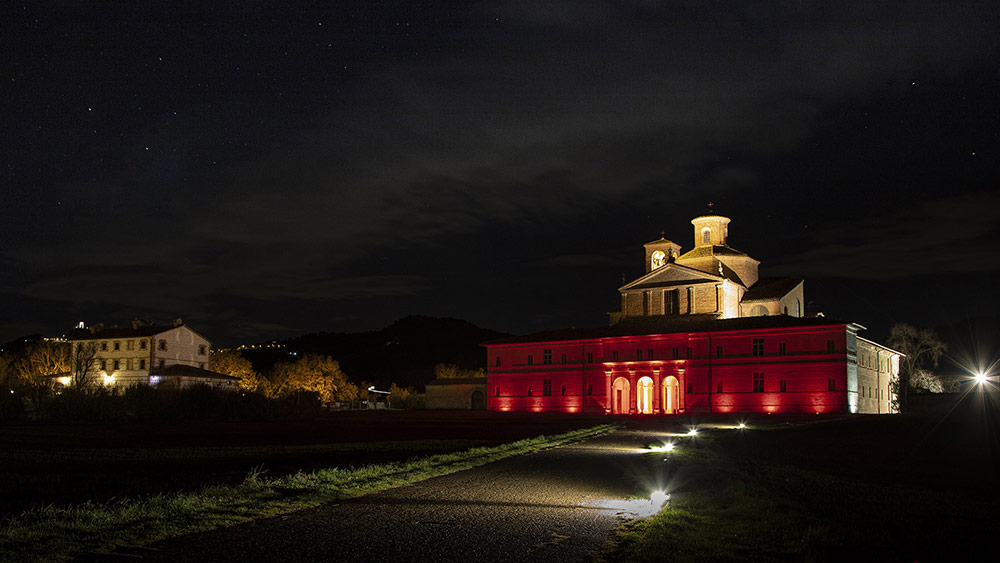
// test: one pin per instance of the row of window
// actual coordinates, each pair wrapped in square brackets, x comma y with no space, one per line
[161,345]
[125,364]
[758,387]
[129,345]
[874,393]
[130,364]
[648,354]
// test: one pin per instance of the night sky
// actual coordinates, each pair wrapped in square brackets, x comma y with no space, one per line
[265,171]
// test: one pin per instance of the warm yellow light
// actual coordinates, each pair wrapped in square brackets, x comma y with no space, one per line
[981,378]
[109,379]
[668,447]
[65,380]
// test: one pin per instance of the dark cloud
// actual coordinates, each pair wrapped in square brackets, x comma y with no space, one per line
[239,164]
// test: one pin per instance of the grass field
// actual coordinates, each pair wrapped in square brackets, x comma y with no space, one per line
[922,487]
[71,464]
[62,533]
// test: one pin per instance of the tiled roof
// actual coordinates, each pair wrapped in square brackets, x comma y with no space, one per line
[190,371]
[670,324]
[109,333]
[769,289]
[710,250]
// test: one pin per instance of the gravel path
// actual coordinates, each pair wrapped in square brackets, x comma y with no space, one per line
[533,507]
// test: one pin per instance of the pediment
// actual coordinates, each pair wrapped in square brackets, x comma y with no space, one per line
[671,274]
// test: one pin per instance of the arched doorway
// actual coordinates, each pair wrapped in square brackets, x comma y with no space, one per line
[478,400]
[671,395]
[620,396]
[644,395]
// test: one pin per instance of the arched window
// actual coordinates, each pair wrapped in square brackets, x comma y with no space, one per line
[706,236]
[758,311]
[798,308]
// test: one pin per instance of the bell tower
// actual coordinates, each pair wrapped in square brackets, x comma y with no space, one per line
[711,230]
[660,252]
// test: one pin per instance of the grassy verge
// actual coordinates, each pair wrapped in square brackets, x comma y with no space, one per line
[730,506]
[59,534]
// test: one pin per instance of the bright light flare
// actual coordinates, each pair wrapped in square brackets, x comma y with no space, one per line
[741,426]
[635,508]
[692,432]
[668,447]
[981,378]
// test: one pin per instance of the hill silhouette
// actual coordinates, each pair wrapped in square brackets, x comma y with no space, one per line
[404,352]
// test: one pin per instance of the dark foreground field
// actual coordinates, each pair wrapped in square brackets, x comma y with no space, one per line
[68,464]
[922,487]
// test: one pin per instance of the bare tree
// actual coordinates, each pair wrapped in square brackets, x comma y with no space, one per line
[84,364]
[921,346]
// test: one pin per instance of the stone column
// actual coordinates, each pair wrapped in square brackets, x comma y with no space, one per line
[609,399]
[633,395]
[657,392]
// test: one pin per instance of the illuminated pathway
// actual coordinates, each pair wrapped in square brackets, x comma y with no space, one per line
[541,506]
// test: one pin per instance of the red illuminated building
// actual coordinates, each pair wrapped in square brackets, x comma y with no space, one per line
[698,332]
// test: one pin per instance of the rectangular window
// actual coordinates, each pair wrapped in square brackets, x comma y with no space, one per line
[638,355]
[783,386]
[142,364]
[690,387]
[130,345]
[758,346]
[718,387]
[118,346]
[564,358]
[781,348]
[590,357]
[718,351]
[614,355]
[163,345]
[498,391]
[546,387]
[104,346]
[104,365]
[529,359]
[142,344]
[831,384]
[201,349]
[689,353]
[758,383]
[201,365]
[677,353]
[563,389]
[649,354]
[114,364]
[530,392]
[547,356]
[497,361]
[829,346]
[590,388]
[161,363]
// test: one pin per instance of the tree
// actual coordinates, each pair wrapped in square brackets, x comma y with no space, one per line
[921,346]
[38,361]
[83,363]
[313,372]
[232,363]
[452,371]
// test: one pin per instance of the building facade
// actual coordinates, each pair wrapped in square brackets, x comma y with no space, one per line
[147,354]
[698,332]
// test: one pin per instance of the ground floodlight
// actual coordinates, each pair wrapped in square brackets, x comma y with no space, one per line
[980,378]
[693,432]
[658,498]
[741,425]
